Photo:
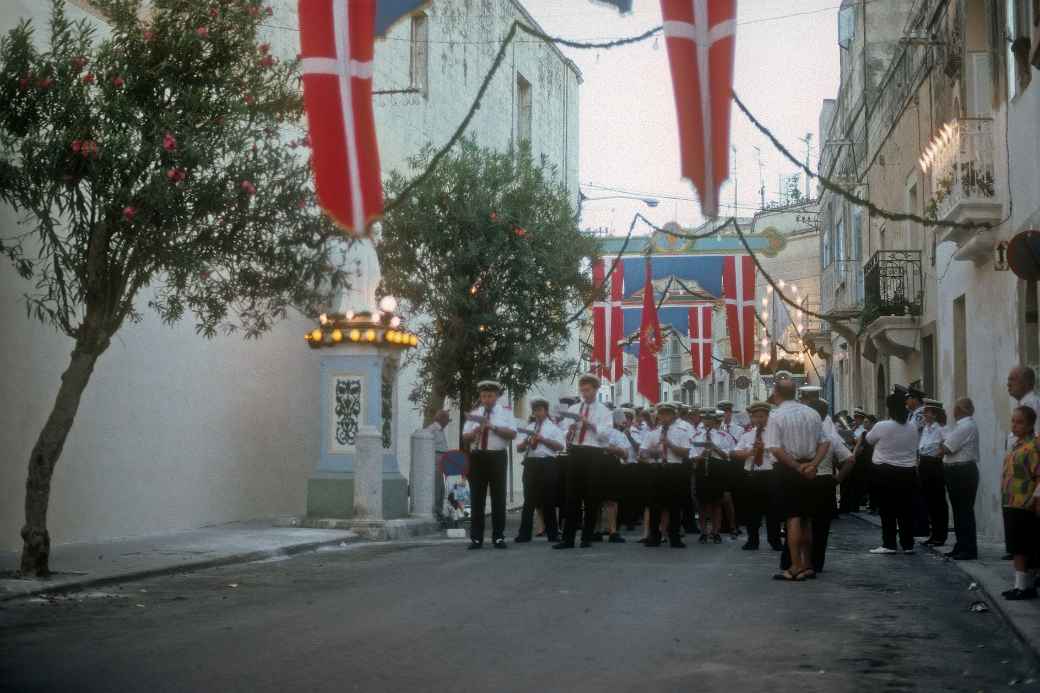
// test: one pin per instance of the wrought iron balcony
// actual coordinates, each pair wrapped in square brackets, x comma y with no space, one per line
[892,285]
[964,178]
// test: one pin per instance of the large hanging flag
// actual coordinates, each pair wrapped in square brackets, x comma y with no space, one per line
[600,332]
[648,383]
[616,323]
[337,44]
[701,38]
[700,339]
[389,12]
[738,288]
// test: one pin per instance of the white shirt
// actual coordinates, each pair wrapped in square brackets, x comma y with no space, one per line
[930,444]
[917,417]
[859,432]
[500,418]
[796,429]
[549,431]
[894,443]
[719,438]
[599,416]
[1033,402]
[679,435]
[632,451]
[734,429]
[837,453]
[962,442]
[440,441]
[747,442]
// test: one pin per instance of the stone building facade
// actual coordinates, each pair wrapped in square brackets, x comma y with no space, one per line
[945,124]
[176,431]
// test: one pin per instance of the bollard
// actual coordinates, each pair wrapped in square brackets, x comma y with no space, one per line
[368,474]
[421,478]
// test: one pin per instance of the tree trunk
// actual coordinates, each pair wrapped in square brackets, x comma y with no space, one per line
[36,540]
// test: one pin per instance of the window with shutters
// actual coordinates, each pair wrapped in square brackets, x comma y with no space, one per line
[419,61]
[523,109]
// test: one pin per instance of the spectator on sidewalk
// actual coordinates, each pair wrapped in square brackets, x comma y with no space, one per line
[930,473]
[961,471]
[895,475]
[1018,488]
[1021,382]
[440,445]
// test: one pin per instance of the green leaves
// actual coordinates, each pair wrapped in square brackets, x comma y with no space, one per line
[489,248]
[223,224]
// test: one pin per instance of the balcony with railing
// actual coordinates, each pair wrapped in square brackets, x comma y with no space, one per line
[893,302]
[964,182]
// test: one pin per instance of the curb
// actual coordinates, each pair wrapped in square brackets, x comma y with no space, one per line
[187,567]
[977,576]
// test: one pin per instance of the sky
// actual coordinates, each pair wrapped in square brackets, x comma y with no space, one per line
[786,65]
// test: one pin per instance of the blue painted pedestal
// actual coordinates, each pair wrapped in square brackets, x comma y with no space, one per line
[358,386]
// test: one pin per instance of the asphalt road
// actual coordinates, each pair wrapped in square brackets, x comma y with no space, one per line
[433,616]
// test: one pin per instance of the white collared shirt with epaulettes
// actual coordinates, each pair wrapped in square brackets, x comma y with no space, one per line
[599,416]
[679,435]
[549,431]
[500,418]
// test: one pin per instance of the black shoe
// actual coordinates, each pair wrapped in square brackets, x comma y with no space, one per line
[653,541]
[750,546]
[474,544]
[677,543]
[522,540]
[616,539]
[1017,595]
[564,545]
[553,538]
[703,539]
[717,538]
[500,543]
[644,540]
[584,543]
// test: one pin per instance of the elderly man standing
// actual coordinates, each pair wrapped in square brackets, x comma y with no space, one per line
[930,473]
[961,471]
[489,429]
[1021,382]
[794,436]
[440,445]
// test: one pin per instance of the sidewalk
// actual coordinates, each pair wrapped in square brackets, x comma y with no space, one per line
[990,576]
[76,566]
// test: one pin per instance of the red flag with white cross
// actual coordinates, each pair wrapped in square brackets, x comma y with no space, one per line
[738,288]
[701,39]
[337,46]
[700,339]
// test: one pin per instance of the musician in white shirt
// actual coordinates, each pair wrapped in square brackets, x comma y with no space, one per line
[668,444]
[710,453]
[930,473]
[541,445]
[758,467]
[590,423]
[489,430]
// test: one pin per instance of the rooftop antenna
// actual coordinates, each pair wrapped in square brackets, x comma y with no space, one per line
[761,180]
[807,140]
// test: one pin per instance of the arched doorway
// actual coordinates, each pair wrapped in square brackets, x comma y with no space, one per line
[881,393]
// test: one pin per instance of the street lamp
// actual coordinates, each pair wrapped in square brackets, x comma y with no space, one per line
[650,202]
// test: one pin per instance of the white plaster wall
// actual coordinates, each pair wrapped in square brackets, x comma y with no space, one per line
[175,431]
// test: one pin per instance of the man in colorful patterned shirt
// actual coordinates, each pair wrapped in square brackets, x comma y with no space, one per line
[1018,486]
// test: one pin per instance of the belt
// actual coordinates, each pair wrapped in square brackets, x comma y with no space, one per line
[586,448]
[959,464]
[931,458]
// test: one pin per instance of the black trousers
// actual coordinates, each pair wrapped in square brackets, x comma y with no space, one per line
[671,485]
[821,491]
[933,488]
[584,468]
[894,487]
[539,492]
[962,483]
[757,503]
[487,469]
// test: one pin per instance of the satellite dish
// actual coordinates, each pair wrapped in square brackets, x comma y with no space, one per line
[1023,255]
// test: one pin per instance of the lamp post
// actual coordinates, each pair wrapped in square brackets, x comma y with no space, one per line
[650,202]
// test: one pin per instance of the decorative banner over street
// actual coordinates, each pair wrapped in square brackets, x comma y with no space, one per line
[600,332]
[701,339]
[608,324]
[701,40]
[337,45]
[616,323]
[738,288]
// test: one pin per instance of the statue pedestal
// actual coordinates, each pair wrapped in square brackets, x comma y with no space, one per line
[358,388]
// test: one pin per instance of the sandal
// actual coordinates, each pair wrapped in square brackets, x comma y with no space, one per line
[786,576]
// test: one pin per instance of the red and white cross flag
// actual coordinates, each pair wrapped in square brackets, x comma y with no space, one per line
[337,45]
[700,339]
[701,39]
[608,323]
[738,288]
